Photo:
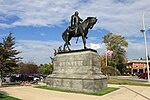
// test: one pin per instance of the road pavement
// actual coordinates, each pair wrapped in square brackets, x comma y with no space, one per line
[125,92]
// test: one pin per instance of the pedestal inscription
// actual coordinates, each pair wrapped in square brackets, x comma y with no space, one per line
[78,71]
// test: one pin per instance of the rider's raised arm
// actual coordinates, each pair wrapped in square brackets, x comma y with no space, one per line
[80,19]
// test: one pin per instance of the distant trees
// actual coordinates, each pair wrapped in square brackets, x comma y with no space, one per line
[29,68]
[8,59]
[117,44]
[46,69]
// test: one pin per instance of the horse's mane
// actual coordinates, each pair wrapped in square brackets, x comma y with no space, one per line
[88,18]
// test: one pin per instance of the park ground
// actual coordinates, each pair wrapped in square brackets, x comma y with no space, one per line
[126,92]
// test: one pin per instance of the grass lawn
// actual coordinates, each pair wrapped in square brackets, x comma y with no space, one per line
[99,93]
[5,97]
[127,82]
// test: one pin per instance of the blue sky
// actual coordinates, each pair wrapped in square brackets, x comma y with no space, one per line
[39,24]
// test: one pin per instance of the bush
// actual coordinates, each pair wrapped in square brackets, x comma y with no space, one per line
[109,70]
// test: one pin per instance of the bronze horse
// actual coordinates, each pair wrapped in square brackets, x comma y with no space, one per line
[82,31]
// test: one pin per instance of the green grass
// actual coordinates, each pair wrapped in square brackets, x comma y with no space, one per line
[98,93]
[127,82]
[5,97]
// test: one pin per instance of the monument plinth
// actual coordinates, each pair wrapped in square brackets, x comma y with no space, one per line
[77,70]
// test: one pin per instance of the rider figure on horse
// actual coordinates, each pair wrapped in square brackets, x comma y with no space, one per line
[75,21]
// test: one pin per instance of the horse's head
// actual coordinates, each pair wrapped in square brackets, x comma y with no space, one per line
[91,21]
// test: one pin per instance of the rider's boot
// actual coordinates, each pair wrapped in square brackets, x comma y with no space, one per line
[76,29]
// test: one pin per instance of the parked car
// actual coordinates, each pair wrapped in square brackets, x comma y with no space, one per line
[136,74]
[144,75]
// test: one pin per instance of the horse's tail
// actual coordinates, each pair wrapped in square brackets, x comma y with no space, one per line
[64,36]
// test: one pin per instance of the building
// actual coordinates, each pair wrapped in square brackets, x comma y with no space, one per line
[139,66]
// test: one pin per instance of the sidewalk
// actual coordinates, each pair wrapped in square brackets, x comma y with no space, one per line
[124,93]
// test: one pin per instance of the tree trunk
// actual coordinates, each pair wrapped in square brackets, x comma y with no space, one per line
[1,79]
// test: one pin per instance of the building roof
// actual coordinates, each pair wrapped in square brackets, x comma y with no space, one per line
[137,61]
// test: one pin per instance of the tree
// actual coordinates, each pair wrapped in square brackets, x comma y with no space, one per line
[117,44]
[28,68]
[110,71]
[8,59]
[46,69]
[107,70]
[103,60]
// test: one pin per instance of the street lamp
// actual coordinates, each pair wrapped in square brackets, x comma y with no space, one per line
[146,54]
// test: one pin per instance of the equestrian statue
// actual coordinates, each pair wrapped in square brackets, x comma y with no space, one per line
[78,28]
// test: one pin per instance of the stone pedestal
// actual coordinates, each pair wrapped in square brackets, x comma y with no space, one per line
[77,70]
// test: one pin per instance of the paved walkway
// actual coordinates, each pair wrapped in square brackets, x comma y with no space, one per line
[124,93]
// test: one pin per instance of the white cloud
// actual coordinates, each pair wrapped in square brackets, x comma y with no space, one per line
[41,51]
[123,18]
[37,12]
[95,46]
[5,25]
[119,17]
[38,51]
[137,50]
